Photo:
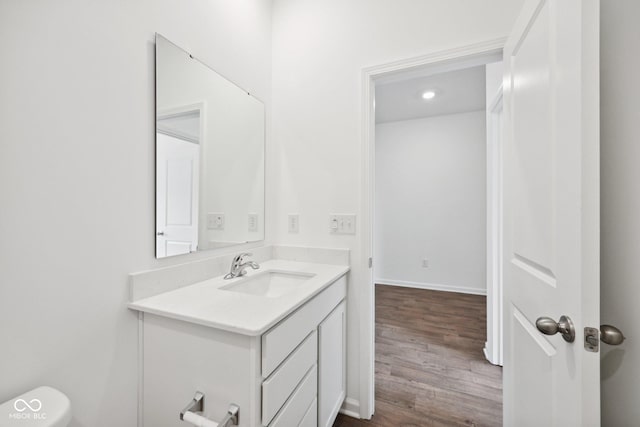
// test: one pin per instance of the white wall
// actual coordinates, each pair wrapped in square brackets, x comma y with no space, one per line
[620,208]
[430,202]
[319,51]
[77,174]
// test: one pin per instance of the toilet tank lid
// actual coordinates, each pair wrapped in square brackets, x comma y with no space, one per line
[41,407]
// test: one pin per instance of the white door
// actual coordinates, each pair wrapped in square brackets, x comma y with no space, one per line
[551,97]
[177,196]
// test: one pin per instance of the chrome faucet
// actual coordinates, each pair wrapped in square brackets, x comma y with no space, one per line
[239,268]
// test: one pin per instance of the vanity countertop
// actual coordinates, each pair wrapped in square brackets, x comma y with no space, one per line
[205,303]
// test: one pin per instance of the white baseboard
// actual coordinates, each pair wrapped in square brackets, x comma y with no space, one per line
[488,356]
[351,408]
[431,286]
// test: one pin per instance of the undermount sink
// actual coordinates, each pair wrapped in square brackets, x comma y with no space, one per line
[269,284]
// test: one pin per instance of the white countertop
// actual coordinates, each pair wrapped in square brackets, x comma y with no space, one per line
[204,303]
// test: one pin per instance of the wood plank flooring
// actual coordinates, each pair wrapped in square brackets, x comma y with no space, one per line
[430,369]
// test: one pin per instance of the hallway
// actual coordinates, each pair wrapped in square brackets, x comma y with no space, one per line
[430,369]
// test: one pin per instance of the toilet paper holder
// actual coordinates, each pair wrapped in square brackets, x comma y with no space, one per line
[196,406]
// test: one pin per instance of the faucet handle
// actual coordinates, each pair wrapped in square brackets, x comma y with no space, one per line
[243,255]
[238,259]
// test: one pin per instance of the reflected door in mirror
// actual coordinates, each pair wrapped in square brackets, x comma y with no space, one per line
[177,196]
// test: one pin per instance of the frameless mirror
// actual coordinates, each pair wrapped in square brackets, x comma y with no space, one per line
[210,137]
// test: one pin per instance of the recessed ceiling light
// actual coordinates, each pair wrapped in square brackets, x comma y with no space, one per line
[428,94]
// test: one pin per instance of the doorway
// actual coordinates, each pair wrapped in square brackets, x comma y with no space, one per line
[436,241]
[456,59]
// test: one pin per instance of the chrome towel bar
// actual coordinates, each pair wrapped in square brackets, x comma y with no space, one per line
[192,413]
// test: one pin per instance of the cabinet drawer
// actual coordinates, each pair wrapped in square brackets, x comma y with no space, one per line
[311,417]
[296,407]
[279,386]
[280,340]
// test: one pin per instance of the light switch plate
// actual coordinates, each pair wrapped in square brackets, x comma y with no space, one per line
[293,223]
[342,223]
[215,221]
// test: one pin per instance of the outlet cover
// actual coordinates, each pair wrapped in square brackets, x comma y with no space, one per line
[215,221]
[253,222]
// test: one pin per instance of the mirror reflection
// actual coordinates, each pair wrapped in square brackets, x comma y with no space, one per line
[209,157]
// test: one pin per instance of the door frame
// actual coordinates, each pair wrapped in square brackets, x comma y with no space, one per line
[495,226]
[436,62]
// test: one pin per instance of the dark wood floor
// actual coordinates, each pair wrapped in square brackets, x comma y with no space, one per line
[430,369]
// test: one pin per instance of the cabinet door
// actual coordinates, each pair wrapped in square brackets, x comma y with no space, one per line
[331,363]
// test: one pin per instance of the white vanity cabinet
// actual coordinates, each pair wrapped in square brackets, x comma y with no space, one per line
[332,342]
[291,375]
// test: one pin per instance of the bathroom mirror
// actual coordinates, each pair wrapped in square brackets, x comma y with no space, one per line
[210,139]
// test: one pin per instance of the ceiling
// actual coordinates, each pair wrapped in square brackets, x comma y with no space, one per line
[456,92]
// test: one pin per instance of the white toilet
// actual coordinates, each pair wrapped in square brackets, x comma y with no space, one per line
[41,407]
